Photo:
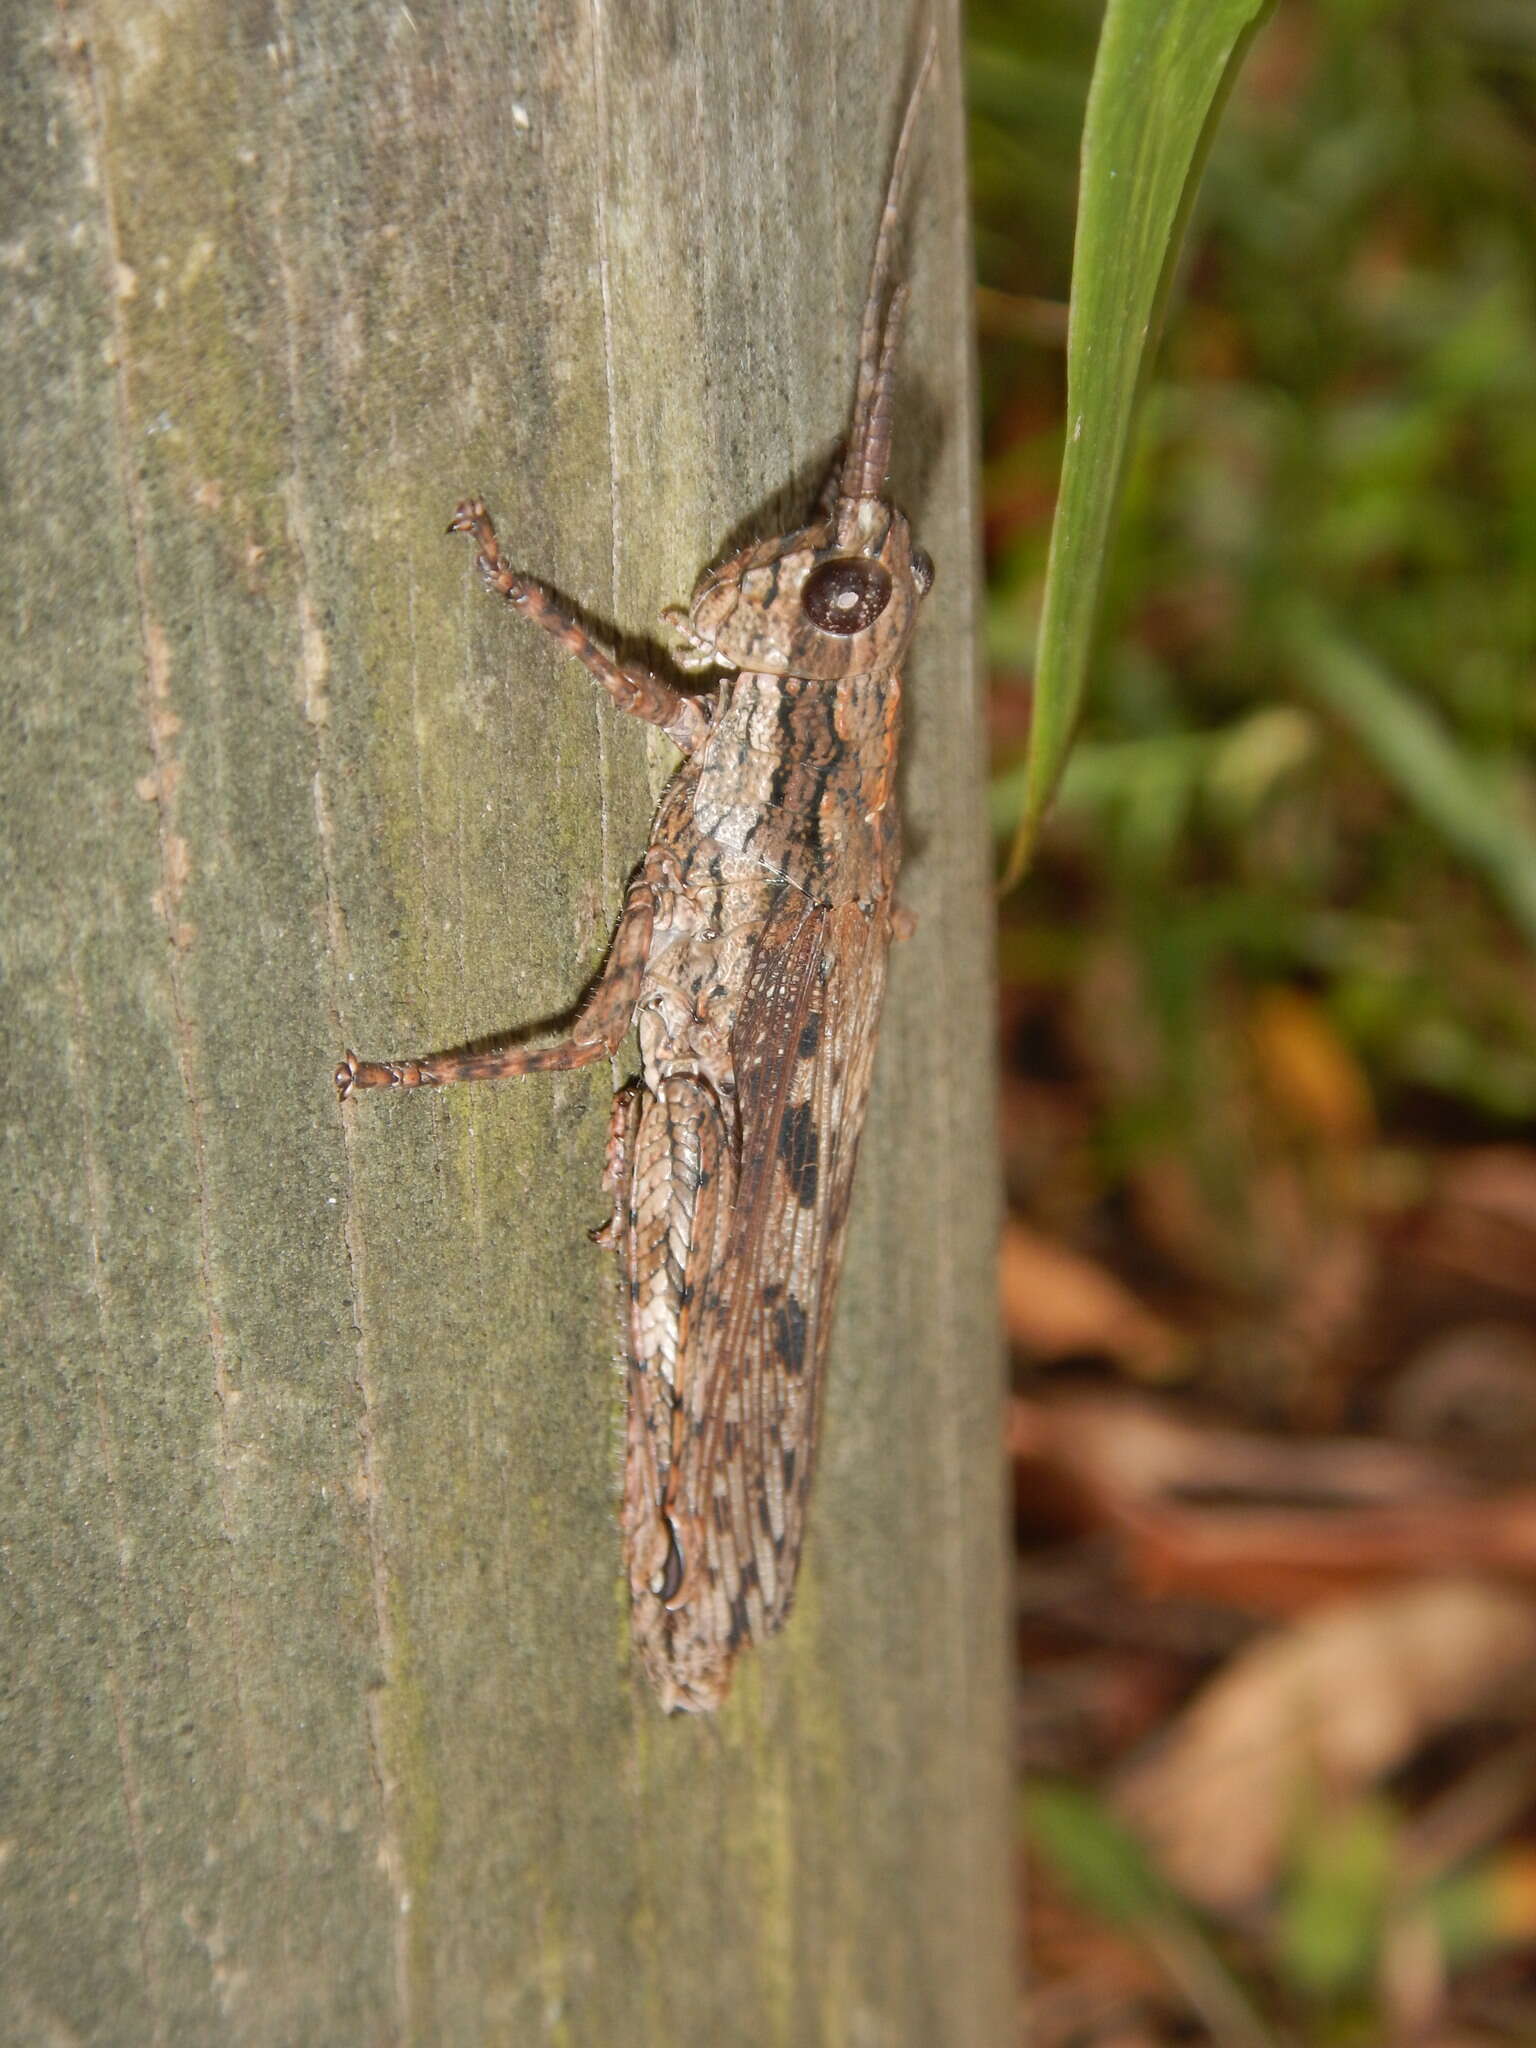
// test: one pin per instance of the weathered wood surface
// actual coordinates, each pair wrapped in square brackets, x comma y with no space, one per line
[319,1720]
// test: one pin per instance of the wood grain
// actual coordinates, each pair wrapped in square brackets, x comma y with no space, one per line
[320,1721]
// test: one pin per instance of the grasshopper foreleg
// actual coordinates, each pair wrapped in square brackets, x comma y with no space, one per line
[683,719]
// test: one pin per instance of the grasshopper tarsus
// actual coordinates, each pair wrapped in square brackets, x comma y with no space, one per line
[470,516]
[354,1075]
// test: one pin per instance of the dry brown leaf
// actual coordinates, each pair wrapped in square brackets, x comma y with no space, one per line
[1512,1883]
[1307,1071]
[1480,1221]
[1266,1524]
[1472,1388]
[1058,1304]
[1338,1700]
[1128,1453]
[1498,1180]
[1282,1561]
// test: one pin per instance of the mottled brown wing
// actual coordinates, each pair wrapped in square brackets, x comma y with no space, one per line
[802,1050]
[680,1185]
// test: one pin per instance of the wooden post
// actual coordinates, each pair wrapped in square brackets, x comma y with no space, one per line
[320,1722]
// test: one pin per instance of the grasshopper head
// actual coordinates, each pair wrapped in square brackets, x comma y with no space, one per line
[835,599]
[838,598]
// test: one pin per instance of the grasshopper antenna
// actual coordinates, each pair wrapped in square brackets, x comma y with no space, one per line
[869,437]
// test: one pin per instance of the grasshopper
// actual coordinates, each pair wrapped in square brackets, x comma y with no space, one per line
[751,953]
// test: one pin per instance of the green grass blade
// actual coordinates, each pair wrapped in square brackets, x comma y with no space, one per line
[1454,795]
[1159,80]
[1107,1868]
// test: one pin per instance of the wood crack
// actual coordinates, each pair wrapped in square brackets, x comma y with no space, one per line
[605,283]
[127,1761]
[161,725]
[391,1848]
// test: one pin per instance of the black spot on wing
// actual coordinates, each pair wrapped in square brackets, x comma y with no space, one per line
[674,1568]
[810,1037]
[789,1335]
[799,1150]
[741,1625]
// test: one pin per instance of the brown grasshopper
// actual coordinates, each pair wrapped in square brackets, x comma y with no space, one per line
[752,952]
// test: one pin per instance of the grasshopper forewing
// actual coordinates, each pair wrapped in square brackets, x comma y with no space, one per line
[751,953]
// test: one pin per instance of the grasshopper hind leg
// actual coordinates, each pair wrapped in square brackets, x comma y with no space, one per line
[599,1030]
[618,1167]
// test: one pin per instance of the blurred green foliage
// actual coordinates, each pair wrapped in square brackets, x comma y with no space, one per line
[1337,1898]
[1347,1894]
[1307,749]
[1302,806]
[1102,1863]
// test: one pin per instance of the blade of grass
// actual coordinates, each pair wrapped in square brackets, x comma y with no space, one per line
[1159,79]
[1107,1868]
[1450,793]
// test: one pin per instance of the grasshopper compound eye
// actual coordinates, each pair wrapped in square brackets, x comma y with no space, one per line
[846,595]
